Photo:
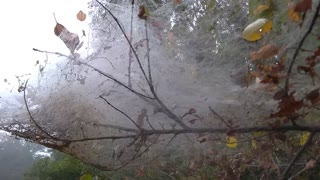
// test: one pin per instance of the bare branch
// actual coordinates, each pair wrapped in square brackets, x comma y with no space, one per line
[316,14]
[169,113]
[117,81]
[165,147]
[115,127]
[297,156]
[99,71]
[148,55]
[123,113]
[130,50]
[32,118]
[216,114]
[315,129]
[126,37]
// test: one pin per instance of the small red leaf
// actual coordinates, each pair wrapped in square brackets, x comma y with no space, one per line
[280,136]
[270,79]
[303,6]
[275,124]
[279,95]
[231,132]
[313,96]
[142,12]
[287,106]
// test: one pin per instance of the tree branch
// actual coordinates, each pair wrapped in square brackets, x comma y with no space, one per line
[98,71]
[126,37]
[225,122]
[316,14]
[297,156]
[123,113]
[114,127]
[31,117]
[315,129]
[130,50]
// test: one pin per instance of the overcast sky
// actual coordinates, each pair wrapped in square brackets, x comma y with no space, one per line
[29,24]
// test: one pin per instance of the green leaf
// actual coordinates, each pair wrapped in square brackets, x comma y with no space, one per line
[211,4]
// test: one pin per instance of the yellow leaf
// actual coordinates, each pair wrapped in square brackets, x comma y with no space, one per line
[304,137]
[255,30]
[86,177]
[292,14]
[259,133]
[231,142]
[254,143]
[260,9]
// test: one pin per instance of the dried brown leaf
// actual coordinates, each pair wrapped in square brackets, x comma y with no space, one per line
[264,52]
[313,96]
[142,12]
[141,117]
[303,6]
[287,106]
[81,16]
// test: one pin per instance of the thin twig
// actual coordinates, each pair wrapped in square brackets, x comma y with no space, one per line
[316,14]
[146,149]
[225,122]
[301,171]
[163,150]
[126,37]
[32,118]
[147,119]
[123,113]
[98,71]
[166,110]
[148,53]
[297,156]
[114,127]
[117,81]
[130,50]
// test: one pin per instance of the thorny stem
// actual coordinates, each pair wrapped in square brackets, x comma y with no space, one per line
[316,14]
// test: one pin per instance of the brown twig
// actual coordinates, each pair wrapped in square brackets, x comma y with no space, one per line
[123,113]
[221,118]
[166,110]
[315,129]
[148,54]
[297,156]
[114,127]
[98,71]
[32,118]
[130,50]
[127,39]
[316,14]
